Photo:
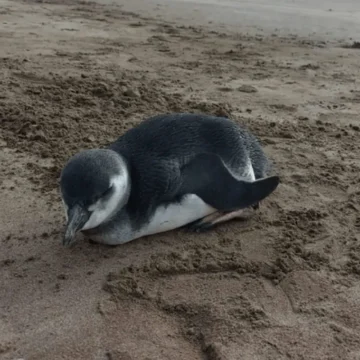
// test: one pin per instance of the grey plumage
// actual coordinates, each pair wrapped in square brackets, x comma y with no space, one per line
[167,157]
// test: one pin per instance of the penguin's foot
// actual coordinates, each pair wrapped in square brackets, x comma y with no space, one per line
[205,223]
[210,221]
[92,242]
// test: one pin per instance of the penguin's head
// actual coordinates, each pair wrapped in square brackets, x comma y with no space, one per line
[94,184]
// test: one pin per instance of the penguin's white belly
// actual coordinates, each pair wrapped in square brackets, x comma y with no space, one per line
[175,215]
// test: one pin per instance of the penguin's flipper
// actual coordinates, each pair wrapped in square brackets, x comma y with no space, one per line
[207,177]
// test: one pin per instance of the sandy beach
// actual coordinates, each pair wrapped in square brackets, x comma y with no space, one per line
[283,284]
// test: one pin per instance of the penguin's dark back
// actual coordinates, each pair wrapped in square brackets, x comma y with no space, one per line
[183,135]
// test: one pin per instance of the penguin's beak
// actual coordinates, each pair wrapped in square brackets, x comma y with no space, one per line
[77,218]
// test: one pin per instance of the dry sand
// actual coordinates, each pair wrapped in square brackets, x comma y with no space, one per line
[282,285]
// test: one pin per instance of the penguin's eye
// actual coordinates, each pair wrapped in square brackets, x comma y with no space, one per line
[107,192]
[103,195]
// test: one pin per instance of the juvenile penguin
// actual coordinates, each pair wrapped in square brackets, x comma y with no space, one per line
[170,171]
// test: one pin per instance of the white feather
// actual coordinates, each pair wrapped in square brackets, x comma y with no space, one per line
[175,215]
[101,210]
[249,172]
[246,173]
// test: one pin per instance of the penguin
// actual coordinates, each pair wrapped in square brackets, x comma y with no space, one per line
[170,171]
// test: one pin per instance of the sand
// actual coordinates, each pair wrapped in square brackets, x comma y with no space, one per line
[282,285]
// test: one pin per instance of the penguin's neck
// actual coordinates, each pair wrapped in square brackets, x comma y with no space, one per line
[116,226]
[122,185]
[102,213]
